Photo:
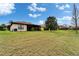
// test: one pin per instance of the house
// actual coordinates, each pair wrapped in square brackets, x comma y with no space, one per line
[63,27]
[69,27]
[23,26]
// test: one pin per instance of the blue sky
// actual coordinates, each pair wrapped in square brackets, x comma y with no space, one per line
[35,13]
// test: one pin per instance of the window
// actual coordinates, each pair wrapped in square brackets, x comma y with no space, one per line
[20,27]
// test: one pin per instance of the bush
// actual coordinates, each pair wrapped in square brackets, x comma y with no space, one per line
[32,29]
[42,29]
[2,29]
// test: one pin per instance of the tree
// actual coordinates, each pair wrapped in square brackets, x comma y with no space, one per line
[51,23]
[75,17]
[2,27]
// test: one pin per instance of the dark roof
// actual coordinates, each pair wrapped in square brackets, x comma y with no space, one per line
[24,23]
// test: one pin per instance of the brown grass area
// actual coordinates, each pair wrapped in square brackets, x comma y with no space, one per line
[39,43]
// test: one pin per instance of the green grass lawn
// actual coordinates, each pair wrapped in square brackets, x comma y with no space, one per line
[39,43]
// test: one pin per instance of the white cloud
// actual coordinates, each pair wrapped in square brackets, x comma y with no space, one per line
[65,18]
[62,7]
[67,11]
[33,7]
[67,6]
[57,6]
[6,8]
[34,15]
[41,9]
[41,22]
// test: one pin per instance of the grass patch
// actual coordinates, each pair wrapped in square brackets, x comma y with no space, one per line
[58,42]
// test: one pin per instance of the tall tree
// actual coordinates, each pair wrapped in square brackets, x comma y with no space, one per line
[75,17]
[51,23]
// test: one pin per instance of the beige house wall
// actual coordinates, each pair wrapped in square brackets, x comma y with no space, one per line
[15,26]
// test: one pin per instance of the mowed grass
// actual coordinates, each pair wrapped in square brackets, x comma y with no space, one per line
[39,43]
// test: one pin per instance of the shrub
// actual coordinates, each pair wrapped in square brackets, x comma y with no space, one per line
[42,29]
[2,29]
[32,29]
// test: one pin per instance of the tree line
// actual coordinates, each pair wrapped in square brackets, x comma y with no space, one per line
[50,24]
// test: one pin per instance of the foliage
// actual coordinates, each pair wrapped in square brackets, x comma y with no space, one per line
[2,27]
[32,29]
[51,23]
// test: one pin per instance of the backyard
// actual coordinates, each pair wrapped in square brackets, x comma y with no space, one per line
[39,43]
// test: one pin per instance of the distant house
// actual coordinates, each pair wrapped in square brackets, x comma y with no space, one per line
[63,27]
[23,26]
